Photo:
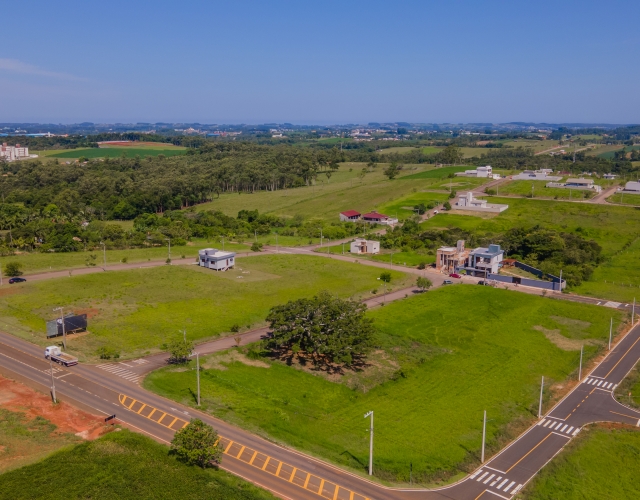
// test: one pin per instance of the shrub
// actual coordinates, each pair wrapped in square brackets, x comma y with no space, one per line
[13,269]
[106,352]
[197,444]
[235,328]
[256,247]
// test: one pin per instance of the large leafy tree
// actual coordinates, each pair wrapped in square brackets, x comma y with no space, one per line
[197,444]
[326,330]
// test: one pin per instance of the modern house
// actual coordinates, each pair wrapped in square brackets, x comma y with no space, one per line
[360,245]
[350,215]
[449,259]
[212,258]
[483,261]
[610,176]
[579,184]
[485,171]
[376,218]
[632,187]
[468,202]
[536,175]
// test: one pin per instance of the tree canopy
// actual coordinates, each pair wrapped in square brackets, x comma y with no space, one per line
[324,329]
[197,444]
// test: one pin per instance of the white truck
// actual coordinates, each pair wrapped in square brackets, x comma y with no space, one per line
[55,354]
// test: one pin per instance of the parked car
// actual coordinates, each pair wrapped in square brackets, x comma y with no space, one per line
[16,280]
[447,282]
[481,282]
[435,212]
[455,275]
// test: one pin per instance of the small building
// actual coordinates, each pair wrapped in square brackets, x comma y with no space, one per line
[579,184]
[212,258]
[361,245]
[632,187]
[11,153]
[485,171]
[483,261]
[468,202]
[609,176]
[376,218]
[350,215]
[449,259]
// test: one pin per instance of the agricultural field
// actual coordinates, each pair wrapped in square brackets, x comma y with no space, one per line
[397,149]
[122,465]
[435,173]
[602,463]
[115,152]
[625,199]
[135,312]
[610,153]
[429,362]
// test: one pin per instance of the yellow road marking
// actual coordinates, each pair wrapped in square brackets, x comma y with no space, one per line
[174,421]
[614,366]
[143,407]
[306,482]
[152,412]
[351,496]
[134,402]
[293,474]
[185,424]
[335,495]
[228,447]
[255,453]
[266,462]
[480,494]
[321,487]
[163,415]
[531,450]
[279,467]
[241,450]
[635,418]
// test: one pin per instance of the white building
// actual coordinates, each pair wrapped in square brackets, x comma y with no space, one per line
[485,171]
[578,184]
[482,261]
[360,245]
[609,176]
[632,187]
[376,218]
[468,202]
[536,175]
[212,258]
[350,216]
[11,153]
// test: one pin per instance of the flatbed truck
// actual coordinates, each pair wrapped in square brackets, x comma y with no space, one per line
[55,354]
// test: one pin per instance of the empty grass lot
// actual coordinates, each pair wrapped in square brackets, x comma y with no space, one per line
[122,465]
[523,188]
[115,152]
[625,199]
[601,464]
[138,310]
[441,358]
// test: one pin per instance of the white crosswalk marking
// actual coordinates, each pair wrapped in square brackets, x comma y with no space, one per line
[516,489]
[576,431]
[599,383]
[569,430]
[495,480]
[509,487]
[480,478]
[488,479]
[609,385]
[502,484]
[565,426]
[119,371]
[473,476]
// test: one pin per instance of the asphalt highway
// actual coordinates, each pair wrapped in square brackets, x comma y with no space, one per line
[294,475]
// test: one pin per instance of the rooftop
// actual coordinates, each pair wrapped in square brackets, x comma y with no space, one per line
[375,215]
[350,213]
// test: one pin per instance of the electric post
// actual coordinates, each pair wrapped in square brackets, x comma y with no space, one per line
[540,405]
[611,332]
[370,414]
[484,434]
[580,369]
[198,374]
[53,385]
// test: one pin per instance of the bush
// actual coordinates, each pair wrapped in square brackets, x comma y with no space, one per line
[180,351]
[256,247]
[13,269]
[422,265]
[447,205]
[124,260]
[197,444]
[235,328]
[106,352]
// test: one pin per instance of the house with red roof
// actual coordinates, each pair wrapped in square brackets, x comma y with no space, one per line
[350,215]
[376,218]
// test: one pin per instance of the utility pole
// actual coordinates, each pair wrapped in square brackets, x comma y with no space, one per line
[223,243]
[277,251]
[321,237]
[64,330]
[343,248]
[560,280]
[580,369]
[610,332]
[484,434]
[104,255]
[198,374]
[255,235]
[169,240]
[370,414]
[540,405]
[53,385]
[633,311]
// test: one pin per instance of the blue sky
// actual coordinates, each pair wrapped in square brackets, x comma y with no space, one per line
[320,62]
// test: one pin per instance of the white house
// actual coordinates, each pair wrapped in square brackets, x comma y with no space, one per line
[485,260]
[609,176]
[632,186]
[11,153]
[468,202]
[212,258]
[536,175]
[579,184]
[360,245]
[485,171]
[376,218]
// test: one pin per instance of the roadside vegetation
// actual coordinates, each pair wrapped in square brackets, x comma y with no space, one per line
[600,464]
[122,465]
[458,347]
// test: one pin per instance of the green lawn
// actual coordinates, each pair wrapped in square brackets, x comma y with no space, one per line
[138,310]
[523,188]
[122,465]
[130,152]
[403,207]
[441,358]
[601,464]
[625,199]
[435,173]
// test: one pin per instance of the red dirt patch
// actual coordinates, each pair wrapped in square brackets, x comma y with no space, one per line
[17,397]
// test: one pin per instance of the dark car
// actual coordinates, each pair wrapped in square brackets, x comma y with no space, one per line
[455,275]
[481,283]
[16,280]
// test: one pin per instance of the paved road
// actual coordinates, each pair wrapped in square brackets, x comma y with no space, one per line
[294,475]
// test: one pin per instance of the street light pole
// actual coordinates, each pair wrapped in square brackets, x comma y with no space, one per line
[484,434]
[540,405]
[633,310]
[169,240]
[104,256]
[611,332]
[277,251]
[370,414]
[198,374]
[53,385]
[64,330]
[580,369]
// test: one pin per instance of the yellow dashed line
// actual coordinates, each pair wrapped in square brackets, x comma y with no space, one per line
[293,474]
[240,454]
[266,463]
[255,454]
[279,467]
[228,447]
[306,482]
[142,408]
[152,412]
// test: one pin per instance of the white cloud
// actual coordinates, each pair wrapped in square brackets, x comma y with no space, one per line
[19,67]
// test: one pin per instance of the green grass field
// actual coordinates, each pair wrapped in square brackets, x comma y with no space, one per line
[523,188]
[115,152]
[610,154]
[435,173]
[601,464]
[403,207]
[138,310]
[433,372]
[122,465]
[625,199]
